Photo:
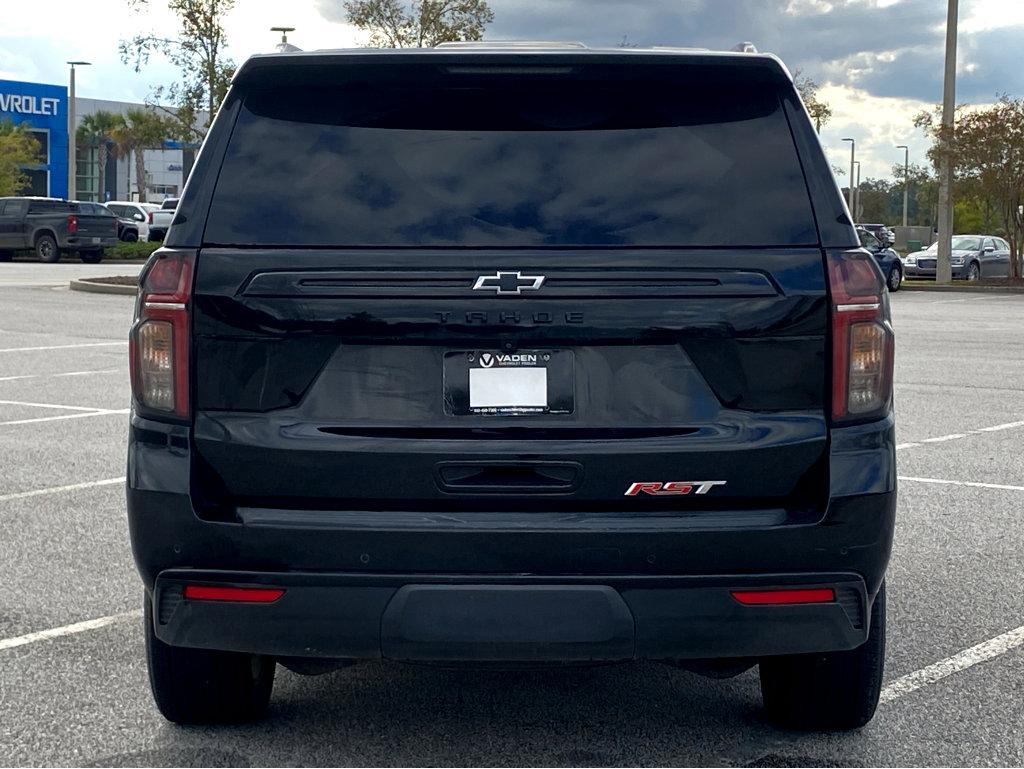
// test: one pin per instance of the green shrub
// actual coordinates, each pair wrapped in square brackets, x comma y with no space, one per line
[140,249]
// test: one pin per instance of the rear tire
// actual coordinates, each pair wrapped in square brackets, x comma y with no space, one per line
[46,249]
[91,257]
[130,236]
[895,279]
[199,686]
[833,691]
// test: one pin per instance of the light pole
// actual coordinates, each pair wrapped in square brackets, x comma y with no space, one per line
[72,149]
[943,271]
[906,180]
[853,158]
[856,194]
[284,46]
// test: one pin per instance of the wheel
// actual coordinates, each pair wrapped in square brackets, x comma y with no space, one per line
[199,686]
[974,272]
[130,236]
[833,691]
[46,249]
[895,279]
[91,257]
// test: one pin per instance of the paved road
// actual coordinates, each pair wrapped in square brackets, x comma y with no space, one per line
[955,665]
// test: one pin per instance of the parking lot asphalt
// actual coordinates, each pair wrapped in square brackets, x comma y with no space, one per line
[73,686]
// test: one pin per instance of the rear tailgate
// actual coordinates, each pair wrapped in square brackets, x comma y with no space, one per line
[542,295]
[94,228]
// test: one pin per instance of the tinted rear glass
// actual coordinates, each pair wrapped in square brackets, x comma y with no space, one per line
[521,164]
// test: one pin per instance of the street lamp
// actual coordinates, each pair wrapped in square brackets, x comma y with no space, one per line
[72,149]
[284,46]
[853,157]
[943,271]
[856,194]
[906,179]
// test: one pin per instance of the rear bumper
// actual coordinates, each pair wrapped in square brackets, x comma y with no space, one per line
[479,618]
[85,243]
[535,585]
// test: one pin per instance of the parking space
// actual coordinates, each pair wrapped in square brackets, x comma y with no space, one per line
[79,695]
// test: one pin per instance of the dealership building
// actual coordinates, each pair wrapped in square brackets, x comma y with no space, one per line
[44,109]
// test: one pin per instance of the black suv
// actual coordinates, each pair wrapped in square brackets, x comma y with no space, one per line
[514,356]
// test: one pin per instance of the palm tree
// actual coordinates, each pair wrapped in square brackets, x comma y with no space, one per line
[139,130]
[97,131]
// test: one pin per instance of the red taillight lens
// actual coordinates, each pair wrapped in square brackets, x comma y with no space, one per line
[150,217]
[236,594]
[160,338]
[72,224]
[862,338]
[784,597]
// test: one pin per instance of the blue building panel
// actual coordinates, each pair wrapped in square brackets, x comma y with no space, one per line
[44,108]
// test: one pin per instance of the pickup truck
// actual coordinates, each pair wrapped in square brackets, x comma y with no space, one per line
[50,226]
[160,219]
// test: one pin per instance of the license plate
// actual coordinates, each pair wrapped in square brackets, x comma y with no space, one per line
[508,383]
[95,240]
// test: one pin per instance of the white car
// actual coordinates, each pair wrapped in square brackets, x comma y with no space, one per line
[140,213]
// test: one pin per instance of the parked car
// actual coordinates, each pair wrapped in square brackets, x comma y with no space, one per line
[127,229]
[140,213]
[49,226]
[169,204]
[974,257]
[887,258]
[160,220]
[882,232]
[503,355]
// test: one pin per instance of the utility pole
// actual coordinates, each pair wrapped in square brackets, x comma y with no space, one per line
[853,158]
[943,271]
[856,195]
[72,137]
[906,180]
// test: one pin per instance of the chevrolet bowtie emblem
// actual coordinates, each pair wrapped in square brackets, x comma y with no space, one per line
[505,283]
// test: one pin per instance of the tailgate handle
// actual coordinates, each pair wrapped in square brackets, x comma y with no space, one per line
[505,477]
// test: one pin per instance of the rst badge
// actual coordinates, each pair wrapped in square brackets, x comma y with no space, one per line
[671,488]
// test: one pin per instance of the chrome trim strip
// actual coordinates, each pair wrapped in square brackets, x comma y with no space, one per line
[165,305]
[857,307]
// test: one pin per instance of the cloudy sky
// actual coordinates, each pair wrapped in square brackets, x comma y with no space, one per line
[879,61]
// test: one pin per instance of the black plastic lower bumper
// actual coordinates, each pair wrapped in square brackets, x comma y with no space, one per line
[510,619]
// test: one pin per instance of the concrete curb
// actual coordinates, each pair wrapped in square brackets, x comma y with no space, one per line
[91,287]
[959,288]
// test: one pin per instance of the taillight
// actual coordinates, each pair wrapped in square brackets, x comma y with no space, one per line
[862,337]
[160,337]
[72,224]
[150,217]
[234,594]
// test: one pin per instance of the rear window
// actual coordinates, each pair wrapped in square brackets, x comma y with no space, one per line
[523,164]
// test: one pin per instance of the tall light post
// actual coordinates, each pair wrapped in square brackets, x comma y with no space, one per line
[943,271]
[856,194]
[906,180]
[72,148]
[853,158]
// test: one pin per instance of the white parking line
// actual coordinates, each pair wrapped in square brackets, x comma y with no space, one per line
[961,661]
[63,374]
[958,436]
[76,415]
[65,346]
[49,406]
[66,630]
[972,484]
[60,489]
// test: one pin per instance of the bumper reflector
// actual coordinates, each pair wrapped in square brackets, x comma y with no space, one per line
[784,597]
[237,594]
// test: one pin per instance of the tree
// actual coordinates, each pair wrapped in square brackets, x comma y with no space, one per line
[819,110]
[987,151]
[421,23]
[97,130]
[18,148]
[198,51]
[141,129]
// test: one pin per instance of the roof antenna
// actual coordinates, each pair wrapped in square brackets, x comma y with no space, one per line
[284,46]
